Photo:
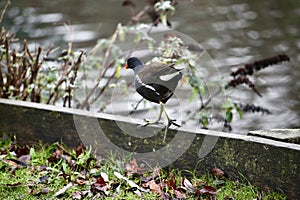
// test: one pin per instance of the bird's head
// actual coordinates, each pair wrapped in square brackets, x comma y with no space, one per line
[133,62]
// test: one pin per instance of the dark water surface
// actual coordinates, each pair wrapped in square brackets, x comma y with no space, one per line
[234,32]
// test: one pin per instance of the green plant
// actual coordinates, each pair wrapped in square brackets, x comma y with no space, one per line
[57,172]
[26,74]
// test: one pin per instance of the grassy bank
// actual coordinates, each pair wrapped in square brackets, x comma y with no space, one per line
[57,172]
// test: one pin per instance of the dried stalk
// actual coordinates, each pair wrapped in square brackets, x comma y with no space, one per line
[86,103]
[4,10]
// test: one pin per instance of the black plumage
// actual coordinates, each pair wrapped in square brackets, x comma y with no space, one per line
[156,82]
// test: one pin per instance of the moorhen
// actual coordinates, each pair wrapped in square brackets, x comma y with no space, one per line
[155,82]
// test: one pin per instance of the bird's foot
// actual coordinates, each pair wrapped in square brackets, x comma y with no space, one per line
[149,122]
[172,122]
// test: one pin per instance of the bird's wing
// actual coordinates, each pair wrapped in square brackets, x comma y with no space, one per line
[158,71]
[164,69]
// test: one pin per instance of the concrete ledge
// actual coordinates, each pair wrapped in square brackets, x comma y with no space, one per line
[286,135]
[265,162]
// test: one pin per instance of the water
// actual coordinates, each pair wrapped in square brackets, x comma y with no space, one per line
[233,33]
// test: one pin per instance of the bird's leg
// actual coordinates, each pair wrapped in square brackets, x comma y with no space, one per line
[158,118]
[170,122]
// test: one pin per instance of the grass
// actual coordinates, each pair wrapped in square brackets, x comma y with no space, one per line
[57,172]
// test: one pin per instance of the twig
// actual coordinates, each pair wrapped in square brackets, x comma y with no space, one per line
[86,102]
[34,71]
[27,50]
[4,10]
[204,105]
[9,75]
[102,73]
[136,106]
[72,80]
[140,14]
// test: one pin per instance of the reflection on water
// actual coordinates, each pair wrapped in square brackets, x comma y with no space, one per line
[233,33]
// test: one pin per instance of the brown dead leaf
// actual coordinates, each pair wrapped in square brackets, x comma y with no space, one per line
[179,194]
[81,181]
[79,149]
[55,155]
[100,181]
[208,190]
[217,172]
[104,189]
[12,162]
[23,150]
[172,184]
[154,187]
[133,168]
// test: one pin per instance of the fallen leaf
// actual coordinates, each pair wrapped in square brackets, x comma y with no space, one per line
[25,159]
[100,181]
[208,190]
[63,190]
[179,195]
[138,193]
[104,189]
[21,151]
[154,187]
[188,185]
[81,181]
[104,176]
[130,183]
[77,195]
[171,184]
[79,149]
[55,155]
[43,179]
[45,191]
[217,172]
[133,168]
[12,162]
[165,196]
[42,167]
[146,179]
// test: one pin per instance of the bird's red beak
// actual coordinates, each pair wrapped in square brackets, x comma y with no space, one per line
[126,66]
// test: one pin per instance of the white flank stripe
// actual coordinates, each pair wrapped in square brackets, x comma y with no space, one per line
[168,77]
[145,85]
